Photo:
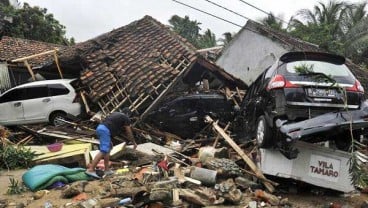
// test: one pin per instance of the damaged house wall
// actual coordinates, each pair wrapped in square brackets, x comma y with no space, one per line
[256,46]
[136,64]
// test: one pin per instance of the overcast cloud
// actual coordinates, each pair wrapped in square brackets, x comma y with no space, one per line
[86,19]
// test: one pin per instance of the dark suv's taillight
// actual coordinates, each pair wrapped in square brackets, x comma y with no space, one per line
[357,87]
[279,82]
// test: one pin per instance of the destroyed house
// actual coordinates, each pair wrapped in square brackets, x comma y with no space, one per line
[257,46]
[15,73]
[136,65]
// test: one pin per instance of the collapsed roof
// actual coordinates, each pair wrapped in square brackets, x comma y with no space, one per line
[137,63]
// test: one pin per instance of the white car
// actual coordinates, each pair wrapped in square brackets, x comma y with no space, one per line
[39,101]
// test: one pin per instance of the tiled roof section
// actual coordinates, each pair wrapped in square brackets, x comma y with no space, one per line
[140,55]
[293,43]
[13,48]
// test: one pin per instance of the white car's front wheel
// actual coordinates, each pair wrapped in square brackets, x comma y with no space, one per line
[56,118]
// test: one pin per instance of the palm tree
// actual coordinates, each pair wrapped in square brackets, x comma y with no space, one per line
[356,44]
[185,27]
[228,36]
[337,27]
[273,22]
[207,40]
[330,14]
[354,14]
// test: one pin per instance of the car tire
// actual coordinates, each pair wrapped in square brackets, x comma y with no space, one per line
[263,133]
[55,116]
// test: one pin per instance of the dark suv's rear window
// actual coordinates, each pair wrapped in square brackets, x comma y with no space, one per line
[302,71]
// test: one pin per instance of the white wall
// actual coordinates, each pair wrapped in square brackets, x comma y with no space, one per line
[249,54]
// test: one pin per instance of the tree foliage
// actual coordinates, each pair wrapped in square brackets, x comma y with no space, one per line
[228,36]
[273,22]
[190,30]
[32,23]
[337,27]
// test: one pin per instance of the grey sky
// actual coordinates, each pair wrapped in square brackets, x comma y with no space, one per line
[85,19]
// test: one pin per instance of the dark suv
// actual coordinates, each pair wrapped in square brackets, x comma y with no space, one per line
[301,86]
[184,115]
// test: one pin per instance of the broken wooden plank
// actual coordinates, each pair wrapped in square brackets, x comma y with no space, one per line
[35,55]
[115,152]
[43,154]
[57,64]
[250,163]
[30,70]
[218,135]
[239,94]
[86,106]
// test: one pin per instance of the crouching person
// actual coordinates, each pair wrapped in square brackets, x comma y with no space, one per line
[113,125]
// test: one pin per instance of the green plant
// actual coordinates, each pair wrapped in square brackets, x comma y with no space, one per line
[304,68]
[15,187]
[357,169]
[15,157]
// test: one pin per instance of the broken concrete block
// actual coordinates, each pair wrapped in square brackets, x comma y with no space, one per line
[206,176]
[245,183]
[39,194]
[252,204]
[270,198]
[164,195]
[90,203]
[223,166]
[169,184]
[211,152]
[70,191]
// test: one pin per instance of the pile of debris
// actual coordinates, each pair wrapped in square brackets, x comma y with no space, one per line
[164,170]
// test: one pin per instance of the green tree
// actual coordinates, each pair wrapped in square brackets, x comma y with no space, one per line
[188,29]
[228,36]
[356,44]
[207,40]
[322,25]
[273,22]
[337,27]
[354,14]
[32,23]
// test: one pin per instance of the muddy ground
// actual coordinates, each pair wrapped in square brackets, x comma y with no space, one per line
[301,196]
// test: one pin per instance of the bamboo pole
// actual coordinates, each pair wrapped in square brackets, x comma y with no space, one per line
[241,153]
[35,55]
[57,64]
[30,70]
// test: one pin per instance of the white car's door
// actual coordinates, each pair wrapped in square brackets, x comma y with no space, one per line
[11,107]
[37,105]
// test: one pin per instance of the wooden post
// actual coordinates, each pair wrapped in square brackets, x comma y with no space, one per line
[30,70]
[239,94]
[57,64]
[88,110]
[218,135]
[250,163]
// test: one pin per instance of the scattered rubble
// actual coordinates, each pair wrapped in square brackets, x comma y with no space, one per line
[203,166]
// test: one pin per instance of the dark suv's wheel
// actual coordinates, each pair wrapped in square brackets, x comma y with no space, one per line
[56,117]
[263,133]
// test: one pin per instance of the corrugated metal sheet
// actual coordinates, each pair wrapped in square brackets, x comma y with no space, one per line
[4,78]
